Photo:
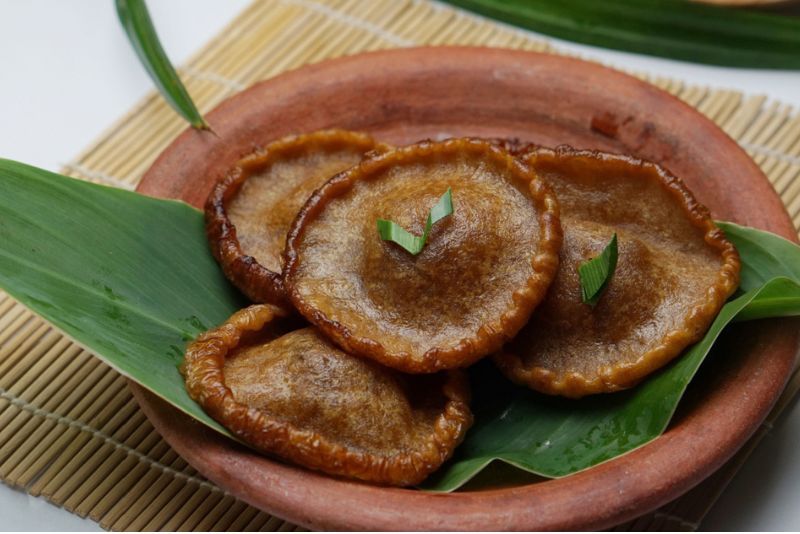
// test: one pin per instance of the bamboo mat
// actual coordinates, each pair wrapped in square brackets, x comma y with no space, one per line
[70,430]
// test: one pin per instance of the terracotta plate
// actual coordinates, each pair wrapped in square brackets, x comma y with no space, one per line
[401,96]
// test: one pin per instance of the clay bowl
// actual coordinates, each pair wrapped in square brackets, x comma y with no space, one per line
[404,95]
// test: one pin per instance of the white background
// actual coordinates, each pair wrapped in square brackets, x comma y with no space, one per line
[67,72]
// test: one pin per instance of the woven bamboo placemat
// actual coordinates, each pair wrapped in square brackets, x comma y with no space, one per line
[70,430]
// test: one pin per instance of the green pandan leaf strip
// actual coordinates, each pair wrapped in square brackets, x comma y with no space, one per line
[391,231]
[597,272]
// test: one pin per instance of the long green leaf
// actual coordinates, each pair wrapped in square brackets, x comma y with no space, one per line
[127,276]
[131,278]
[676,29]
[136,21]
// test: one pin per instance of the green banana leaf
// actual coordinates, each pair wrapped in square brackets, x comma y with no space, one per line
[127,276]
[130,278]
[136,22]
[676,29]
[764,255]
[767,256]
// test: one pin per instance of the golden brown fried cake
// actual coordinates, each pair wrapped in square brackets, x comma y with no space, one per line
[473,286]
[675,271]
[300,398]
[249,212]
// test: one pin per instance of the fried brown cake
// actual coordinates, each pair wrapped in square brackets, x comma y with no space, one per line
[472,287]
[249,212]
[300,398]
[675,271]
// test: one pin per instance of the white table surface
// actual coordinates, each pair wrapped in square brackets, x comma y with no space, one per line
[68,72]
